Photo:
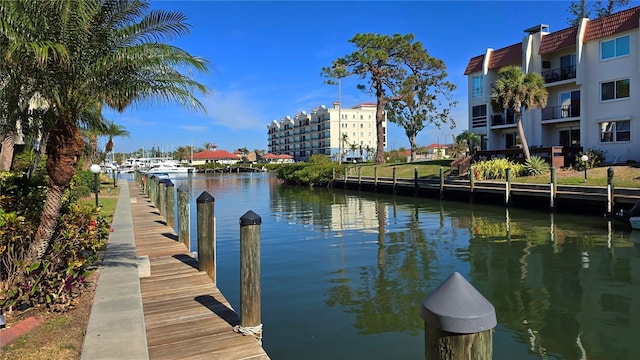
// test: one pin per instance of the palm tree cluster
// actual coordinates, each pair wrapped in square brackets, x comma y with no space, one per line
[76,57]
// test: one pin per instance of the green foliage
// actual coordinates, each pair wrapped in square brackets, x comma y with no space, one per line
[82,184]
[535,166]
[55,279]
[496,169]
[318,171]
[596,158]
[21,195]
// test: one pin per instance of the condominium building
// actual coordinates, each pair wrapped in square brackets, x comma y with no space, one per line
[592,75]
[328,131]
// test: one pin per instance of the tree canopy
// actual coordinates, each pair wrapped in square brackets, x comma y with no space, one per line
[387,65]
[82,55]
[513,90]
[580,9]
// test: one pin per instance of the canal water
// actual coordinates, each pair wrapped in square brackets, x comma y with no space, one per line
[344,273]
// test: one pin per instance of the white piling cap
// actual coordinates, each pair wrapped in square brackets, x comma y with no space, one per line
[456,306]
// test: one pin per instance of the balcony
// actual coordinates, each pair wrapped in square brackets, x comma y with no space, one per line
[563,73]
[502,119]
[560,112]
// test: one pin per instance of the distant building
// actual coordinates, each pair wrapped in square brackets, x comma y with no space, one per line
[214,156]
[277,159]
[592,76]
[332,131]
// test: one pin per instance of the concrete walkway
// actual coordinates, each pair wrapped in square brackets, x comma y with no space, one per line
[116,328]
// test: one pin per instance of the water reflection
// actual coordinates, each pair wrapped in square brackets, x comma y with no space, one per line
[564,286]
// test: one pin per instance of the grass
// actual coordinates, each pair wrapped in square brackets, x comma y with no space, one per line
[624,175]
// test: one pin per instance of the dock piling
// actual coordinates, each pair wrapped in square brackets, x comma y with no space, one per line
[609,192]
[206,234]
[458,322]
[250,307]
[183,216]
[170,203]
[552,190]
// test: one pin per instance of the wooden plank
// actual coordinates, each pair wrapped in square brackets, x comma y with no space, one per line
[186,316]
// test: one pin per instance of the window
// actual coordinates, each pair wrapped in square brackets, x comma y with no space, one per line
[614,48]
[618,89]
[614,131]
[477,86]
[479,116]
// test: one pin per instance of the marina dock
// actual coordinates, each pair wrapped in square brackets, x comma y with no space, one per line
[173,311]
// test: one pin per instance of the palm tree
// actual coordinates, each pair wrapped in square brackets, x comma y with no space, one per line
[112,131]
[469,138]
[515,91]
[353,148]
[85,54]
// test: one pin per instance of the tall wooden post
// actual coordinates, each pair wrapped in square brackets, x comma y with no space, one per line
[472,183]
[162,197]
[206,234]
[458,322]
[150,184]
[345,169]
[170,204]
[441,183]
[183,216]
[250,274]
[375,177]
[395,180]
[610,196]
[552,190]
[507,188]
[416,188]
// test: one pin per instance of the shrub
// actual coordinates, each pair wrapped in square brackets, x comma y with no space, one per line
[535,166]
[496,169]
[596,158]
[318,171]
[56,278]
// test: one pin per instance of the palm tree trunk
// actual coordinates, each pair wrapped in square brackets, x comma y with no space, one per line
[525,146]
[39,153]
[6,154]
[64,148]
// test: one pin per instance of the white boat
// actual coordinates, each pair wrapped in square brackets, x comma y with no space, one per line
[171,168]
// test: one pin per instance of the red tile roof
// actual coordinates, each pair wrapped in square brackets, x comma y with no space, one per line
[474,65]
[214,155]
[558,40]
[612,24]
[271,156]
[509,55]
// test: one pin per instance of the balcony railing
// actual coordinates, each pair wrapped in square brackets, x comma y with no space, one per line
[560,112]
[563,73]
[501,119]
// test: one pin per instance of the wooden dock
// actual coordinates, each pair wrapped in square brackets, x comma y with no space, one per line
[185,315]
[497,191]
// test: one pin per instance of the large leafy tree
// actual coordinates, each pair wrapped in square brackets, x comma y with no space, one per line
[516,91]
[83,55]
[423,100]
[384,62]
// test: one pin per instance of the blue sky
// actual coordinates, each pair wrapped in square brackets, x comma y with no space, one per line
[265,60]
